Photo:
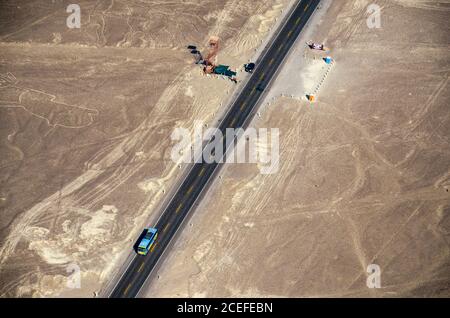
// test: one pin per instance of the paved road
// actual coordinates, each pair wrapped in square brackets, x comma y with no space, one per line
[200,174]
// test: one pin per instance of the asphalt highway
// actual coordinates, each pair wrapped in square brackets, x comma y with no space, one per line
[202,173]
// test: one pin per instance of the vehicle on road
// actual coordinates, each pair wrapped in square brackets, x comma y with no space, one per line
[249,67]
[147,241]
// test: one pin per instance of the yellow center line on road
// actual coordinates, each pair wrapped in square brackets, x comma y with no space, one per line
[289,34]
[126,289]
[201,172]
[298,20]
[233,121]
[262,75]
[179,208]
[271,61]
[141,267]
[306,8]
[190,190]
[165,228]
[153,247]
[243,105]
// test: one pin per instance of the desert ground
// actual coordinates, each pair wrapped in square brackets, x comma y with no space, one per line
[85,122]
[364,172]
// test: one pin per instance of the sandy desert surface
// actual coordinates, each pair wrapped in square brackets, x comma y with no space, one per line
[85,122]
[364,173]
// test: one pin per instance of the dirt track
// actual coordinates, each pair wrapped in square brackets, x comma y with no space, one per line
[363,179]
[86,117]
